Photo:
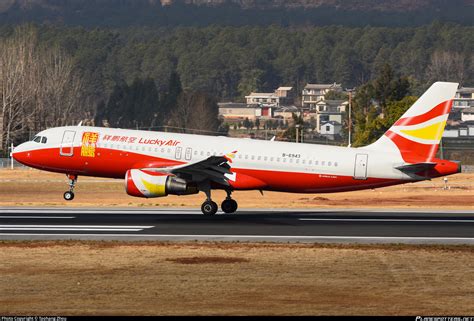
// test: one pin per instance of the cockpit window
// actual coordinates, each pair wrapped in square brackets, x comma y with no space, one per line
[44,140]
[37,139]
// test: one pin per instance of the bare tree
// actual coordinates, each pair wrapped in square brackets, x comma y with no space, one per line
[59,89]
[39,87]
[195,112]
[16,56]
[447,66]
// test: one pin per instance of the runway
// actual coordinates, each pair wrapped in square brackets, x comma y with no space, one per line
[288,225]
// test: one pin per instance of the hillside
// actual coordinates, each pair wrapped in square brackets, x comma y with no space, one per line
[370,5]
[124,13]
[367,5]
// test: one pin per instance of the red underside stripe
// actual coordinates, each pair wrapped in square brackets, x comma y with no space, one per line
[115,163]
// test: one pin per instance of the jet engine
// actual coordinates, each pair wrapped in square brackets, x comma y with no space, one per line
[142,183]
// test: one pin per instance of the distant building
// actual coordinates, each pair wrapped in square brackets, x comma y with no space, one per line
[330,128]
[451,132]
[464,98]
[337,106]
[467,114]
[268,99]
[312,93]
[329,110]
[280,97]
[462,130]
[235,112]
[286,95]
[287,112]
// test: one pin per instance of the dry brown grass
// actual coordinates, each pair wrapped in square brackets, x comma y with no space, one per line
[37,188]
[147,278]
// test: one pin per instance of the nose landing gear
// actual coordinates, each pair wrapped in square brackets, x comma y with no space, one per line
[69,195]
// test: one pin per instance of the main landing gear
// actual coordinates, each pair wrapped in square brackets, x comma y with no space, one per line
[229,205]
[209,207]
[69,195]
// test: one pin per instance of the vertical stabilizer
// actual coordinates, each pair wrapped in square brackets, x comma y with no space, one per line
[418,132]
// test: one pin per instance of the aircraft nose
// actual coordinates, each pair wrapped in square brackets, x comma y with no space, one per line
[21,153]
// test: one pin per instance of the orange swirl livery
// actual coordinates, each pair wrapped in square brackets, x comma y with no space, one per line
[157,164]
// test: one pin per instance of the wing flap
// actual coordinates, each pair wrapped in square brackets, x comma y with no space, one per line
[213,168]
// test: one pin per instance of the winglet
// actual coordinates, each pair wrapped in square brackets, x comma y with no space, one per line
[230,156]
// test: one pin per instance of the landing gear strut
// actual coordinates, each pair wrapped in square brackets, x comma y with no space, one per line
[69,195]
[229,205]
[208,207]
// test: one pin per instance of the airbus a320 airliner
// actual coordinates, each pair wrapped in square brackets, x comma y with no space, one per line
[157,164]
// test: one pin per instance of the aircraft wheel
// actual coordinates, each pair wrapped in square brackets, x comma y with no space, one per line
[68,196]
[229,206]
[209,208]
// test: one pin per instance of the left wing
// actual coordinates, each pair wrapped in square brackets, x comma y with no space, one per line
[213,168]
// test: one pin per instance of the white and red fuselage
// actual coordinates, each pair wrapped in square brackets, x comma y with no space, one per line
[406,153]
[262,165]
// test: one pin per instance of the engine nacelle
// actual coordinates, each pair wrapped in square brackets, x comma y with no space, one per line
[148,184]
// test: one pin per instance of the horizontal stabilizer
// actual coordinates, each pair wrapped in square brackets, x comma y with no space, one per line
[417,167]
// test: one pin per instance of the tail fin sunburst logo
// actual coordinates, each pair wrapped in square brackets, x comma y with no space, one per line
[416,135]
[420,135]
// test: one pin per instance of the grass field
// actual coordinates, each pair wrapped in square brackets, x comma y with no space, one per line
[150,278]
[70,278]
[29,187]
